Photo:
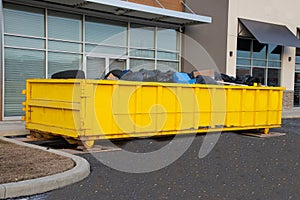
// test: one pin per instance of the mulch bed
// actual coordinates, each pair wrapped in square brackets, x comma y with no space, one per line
[18,163]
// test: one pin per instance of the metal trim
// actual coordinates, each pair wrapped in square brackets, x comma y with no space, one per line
[192,18]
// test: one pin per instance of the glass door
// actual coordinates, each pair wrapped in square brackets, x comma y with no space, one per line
[117,63]
[95,67]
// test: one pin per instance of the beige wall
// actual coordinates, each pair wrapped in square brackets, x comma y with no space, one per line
[270,11]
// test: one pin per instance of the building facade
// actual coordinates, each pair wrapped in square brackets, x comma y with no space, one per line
[40,38]
[260,38]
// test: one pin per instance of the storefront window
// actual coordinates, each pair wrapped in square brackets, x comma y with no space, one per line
[105,32]
[262,61]
[297,80]
[142,36]
[64,26]
[138,64]
[167,39]
[63,61]
[20,65]
[24,53]
[39,42]
[24,20]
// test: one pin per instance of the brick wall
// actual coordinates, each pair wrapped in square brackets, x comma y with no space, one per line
[168,4]
[288,100]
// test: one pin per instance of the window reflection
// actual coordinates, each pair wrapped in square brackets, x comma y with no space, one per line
[101,31]
[262,61]
[63,61]
[259,73]
[64,26]
[259,50]
[297,80]
[274,52]
[141,36]
[273,77]
[243,71]
[244,48]
[167,39]
[24,20]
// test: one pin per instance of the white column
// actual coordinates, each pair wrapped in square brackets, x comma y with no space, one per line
[288,68]
[231,60]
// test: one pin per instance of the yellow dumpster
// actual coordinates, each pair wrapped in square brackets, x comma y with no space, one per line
[88,110]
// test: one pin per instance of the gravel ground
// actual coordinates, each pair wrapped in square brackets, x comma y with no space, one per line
[239,167]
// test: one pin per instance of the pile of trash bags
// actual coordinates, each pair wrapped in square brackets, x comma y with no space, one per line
[144,75]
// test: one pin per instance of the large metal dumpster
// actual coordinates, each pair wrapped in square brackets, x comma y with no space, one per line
[87,110]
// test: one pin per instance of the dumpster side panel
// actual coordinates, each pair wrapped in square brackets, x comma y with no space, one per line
[53,107]
[119,109]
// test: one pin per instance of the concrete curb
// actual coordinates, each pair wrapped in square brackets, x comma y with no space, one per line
[48,183]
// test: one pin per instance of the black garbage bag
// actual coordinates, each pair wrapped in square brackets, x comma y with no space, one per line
[133,76]
[116,72]
[166,77]
[148,76]
[69,74]
[206,80]
[247,80]
[229,79]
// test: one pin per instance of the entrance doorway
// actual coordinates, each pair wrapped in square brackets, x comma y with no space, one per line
[97,67]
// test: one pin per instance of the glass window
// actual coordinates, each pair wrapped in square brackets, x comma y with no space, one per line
[273,77]
[64,26]
[63,61]
[167,55]
[102,31]
[141,53]
[95,68]
[64,46]
[105,50]
[137,64]
[243,71]
[166,66]
[141,36]
[262,61]
[244,48]
[23,20]
[298,57]
[274,52]
[297,80]
[242,61]
[259,73]
[167,39]
[24,30]
[19,66]
[274,64]
[259,50]
[297,90]
[24,42]
[117,64]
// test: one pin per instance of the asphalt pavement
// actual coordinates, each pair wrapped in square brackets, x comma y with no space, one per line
[238,167]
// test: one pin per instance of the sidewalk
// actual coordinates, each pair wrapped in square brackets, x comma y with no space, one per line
[291,113]
[12,128]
